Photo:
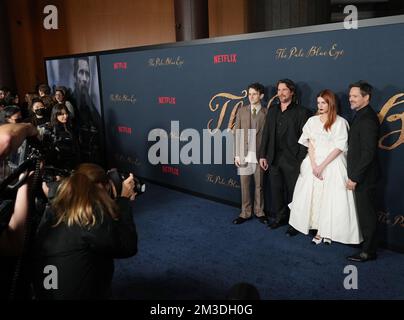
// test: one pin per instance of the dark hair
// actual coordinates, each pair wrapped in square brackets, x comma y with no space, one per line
[291,86]
[47,101]
[9,100]
[35,100]
[364,87]
[44,88]
[5,89]
[256,86]
[61,89]
[76,64]
[289,83]
[11,110]
[56,111]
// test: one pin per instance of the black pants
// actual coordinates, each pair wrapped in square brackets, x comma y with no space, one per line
[365,199]
[283,176]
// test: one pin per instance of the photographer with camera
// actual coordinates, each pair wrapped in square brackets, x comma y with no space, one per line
[82,231]
[14,211]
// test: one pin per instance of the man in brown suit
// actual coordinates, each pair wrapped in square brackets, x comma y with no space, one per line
[249,127]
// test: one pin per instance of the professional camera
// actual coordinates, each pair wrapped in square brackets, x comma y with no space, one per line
[117,177]
[55,147]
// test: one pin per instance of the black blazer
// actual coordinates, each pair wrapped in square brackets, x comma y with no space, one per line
[292,150]
[363,166]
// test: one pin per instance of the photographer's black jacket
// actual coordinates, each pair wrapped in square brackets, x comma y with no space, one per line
[83,257]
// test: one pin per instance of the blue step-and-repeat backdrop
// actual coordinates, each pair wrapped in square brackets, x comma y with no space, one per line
[168,109]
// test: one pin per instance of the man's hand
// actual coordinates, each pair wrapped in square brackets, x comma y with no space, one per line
[264,164]
[128,186]
[351,185]
[12,136]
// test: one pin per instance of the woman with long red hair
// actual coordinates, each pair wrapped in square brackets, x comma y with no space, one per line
[320,200]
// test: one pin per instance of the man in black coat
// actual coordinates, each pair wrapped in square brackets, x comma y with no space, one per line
[363,166]
[280,150]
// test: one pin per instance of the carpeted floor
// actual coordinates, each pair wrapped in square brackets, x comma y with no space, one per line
[189,249]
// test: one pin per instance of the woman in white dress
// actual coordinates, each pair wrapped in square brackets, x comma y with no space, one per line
[321,200]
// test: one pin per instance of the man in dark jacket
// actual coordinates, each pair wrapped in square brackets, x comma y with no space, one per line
[280,150]
[363,167]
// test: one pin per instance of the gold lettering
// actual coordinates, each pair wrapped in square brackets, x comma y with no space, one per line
[271,100]
[281,53]
[334,52]
[383,216]
[294,52]
[392,102]
[167,61]
[233,183]
[123,98]
[399,220]
[214,107]
[217,179]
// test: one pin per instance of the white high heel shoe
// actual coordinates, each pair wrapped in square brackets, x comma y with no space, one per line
[327,241]
[317,239]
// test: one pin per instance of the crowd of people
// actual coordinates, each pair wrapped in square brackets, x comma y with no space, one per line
[86,224]
[323,173]
[52,113]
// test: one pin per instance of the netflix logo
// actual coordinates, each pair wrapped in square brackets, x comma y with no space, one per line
[170,170]
[167,100]
[125,130]
[225,58]
[120,65]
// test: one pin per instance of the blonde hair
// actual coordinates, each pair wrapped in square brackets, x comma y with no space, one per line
[80,195]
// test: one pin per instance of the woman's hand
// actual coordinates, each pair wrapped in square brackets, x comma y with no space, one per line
[318,171]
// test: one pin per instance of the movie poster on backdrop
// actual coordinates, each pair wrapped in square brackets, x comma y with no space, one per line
[78,76]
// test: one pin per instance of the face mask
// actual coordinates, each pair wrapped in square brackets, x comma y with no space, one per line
[40,112]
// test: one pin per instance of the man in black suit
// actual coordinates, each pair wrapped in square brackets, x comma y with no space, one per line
[363,167]
[280,150]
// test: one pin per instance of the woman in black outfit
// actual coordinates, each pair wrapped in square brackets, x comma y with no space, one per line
[66,144]
[81,233]
[39,114]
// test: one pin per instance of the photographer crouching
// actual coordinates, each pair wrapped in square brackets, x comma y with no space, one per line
[81,232]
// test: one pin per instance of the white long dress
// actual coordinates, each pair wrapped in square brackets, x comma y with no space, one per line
[326,205]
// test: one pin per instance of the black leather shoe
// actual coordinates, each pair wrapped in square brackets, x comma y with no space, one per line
[277,224]
[240,220]
[362,257]
[263,219]
[291,232]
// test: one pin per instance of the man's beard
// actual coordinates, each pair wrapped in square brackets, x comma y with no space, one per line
[83,88]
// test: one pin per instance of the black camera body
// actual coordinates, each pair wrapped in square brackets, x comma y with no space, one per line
[117,177]
[57,147]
